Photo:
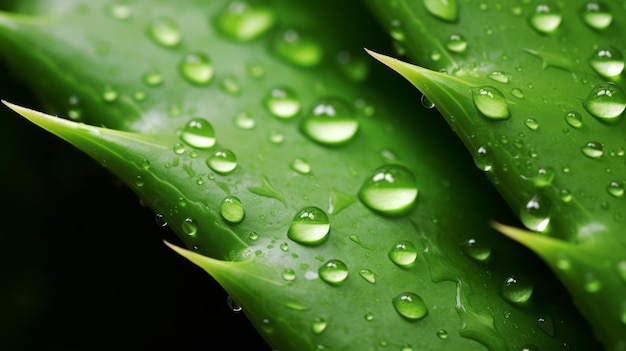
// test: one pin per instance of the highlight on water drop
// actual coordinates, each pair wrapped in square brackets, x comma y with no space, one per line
[390,190]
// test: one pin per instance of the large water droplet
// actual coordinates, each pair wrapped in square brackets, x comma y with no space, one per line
[593,149]
[546,17]
[243,21]
[446,10]
[164,32]
[597,15]
[231,209]
[607,62]
[606,101]
[282,102]
[310,226]
[410,306]
[516,291]
[297,48]
[535,214]
[331,121]
[491,102]
[333,272]
[196,68]
[222,161]
[390,190]
[198,133]
[403,253]
[475,250]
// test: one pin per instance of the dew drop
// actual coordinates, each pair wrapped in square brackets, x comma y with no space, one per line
[152,78]
[297,48]
[319,325]
[499,76]
[164,32]
[535,214]
[244,120]
[230,85]
[546,17]
[390,190]
[231,209]
[483,160]
[592,284]
[517,92]
[369,316]
[120,10]
[178,148]
[532,123]
[426,102]
[288,274]
[333,272]
[410,306]
[491,102]
[403,253]
[189,227]
[310,226]
[198,133]
[607,62]
[616,188]
[456,43]
[606,101]
[574,119]
[442,334]
[542,178]
[475,250]
[446,10]
[196,68]
[282,103]
[276,137]
[109,94]
[516,291]
[242,21]
[593,149]
[301,166]
[368,275]
[254,236]
[222,161]
[597,15]
[331,121]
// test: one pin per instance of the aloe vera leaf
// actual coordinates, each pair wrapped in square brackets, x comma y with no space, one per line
[461,289]
[536,95]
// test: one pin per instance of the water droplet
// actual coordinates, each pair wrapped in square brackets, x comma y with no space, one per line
[109,94]
[616,188]
[301,166]
[189,227]
[456,43]
[516,291]
[491,102]
[607,62]
[297,48]
[483,160]
[120,10]
[517,92]
[368,275]
[592,284]
[390,190]
[442,334]
[546,17]
[574,119]
[499,76]
[535,214]
[164,32]
[331,121]
[333,272]
[288,274]
[606,101]
[152,78]
[178,148]
[196,68]
[231,209]
[233,305]
[542,178]
[276,137]
[243,21]
[198,133]
[403,253]
[593,149]
[310,226]
[222,161]
[426,102]
[532,124]
[410,306]
[597,15]
[139,182]
[546,324]
[282,102]
[475,250]
[253,236]
[244,120]
[230,85]
[446,10]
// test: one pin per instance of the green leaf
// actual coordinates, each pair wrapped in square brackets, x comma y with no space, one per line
[535,92]
[157,118]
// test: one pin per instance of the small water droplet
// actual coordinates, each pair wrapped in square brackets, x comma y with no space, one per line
[565,195]
[333,272]
[331,121]
[152,78]
[243,21]
[475,250]
[276,137]
[288,274]
[222,161]
[499,76]
[517,92]
[616,188]
[368,275]
[298,48]
[456,43]
[593,149]
[606,101]
[592,284]
[233,305]
[574,119]
[253,236]
[301,166]
[230,85]
[426,102]
[446,10]
[282,103]
[120,10]
[597,15]
[442,334]
[390,190]
[532,123]
[310,226]
[403,253]
[410,306]
[196,68]
[546,17]
[160,220]
[607,62]
[231,209]
[178,148]
[516,291]
[542,178]
[546,324]
[483,160]
[198,133]
[164,32]
[244,120]
[491,102]
[369,316]
[189,227]
[318,326]
[535,214]
[139,182]
[109,94]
